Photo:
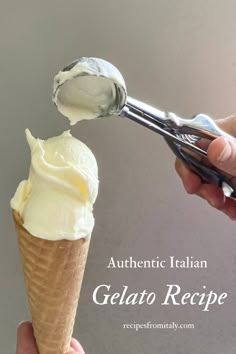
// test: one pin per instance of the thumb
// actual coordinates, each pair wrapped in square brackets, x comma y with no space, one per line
[25,339]
[222,154]
[75,347]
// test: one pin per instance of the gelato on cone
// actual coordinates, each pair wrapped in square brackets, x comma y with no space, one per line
[53,216]
[53,272]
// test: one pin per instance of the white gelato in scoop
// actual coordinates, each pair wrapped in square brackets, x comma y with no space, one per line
[56,202]
[89,88]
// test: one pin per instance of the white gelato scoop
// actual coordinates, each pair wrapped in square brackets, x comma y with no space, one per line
[56,202]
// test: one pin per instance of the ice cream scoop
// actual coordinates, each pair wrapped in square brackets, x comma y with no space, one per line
[91,88]
[56,202]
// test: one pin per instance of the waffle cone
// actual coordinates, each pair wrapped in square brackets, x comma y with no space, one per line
[53,272]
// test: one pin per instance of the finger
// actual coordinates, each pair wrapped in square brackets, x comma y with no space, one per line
[76,346]
[191,181]
[222,154]
[25,339]
[223,204]
[229,208]
[73,351]
[213,195]
[228,124]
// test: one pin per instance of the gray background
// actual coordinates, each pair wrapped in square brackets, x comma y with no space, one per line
[177,55]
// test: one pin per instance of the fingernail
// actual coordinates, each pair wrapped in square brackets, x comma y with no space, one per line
[21,322]
[226,153]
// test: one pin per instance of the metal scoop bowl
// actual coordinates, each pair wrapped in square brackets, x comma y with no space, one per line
[92,88]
